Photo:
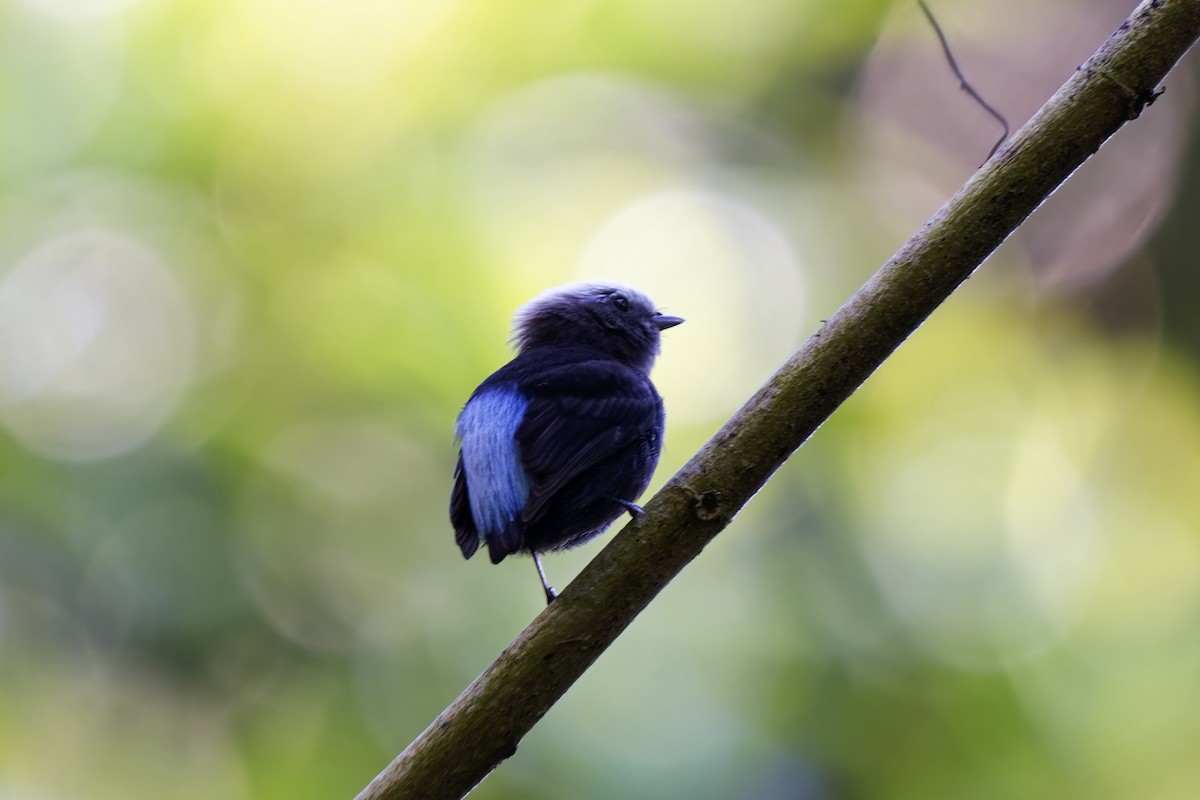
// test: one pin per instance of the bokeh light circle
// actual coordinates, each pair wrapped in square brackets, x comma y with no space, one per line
[723,266]
[97,344]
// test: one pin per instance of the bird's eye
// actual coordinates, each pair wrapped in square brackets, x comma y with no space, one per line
[620,302]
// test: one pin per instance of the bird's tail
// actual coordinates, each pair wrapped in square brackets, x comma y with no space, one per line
[506,541]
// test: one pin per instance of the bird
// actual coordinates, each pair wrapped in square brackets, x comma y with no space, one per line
[559,442]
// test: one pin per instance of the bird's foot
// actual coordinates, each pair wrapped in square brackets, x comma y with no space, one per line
[537,562]
[634,509]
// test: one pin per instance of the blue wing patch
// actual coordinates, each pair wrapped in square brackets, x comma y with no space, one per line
[498,484]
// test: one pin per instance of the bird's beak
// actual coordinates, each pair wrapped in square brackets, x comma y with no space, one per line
[664,321]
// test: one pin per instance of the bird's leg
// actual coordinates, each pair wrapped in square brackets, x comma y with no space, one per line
[550,593]
[634,509]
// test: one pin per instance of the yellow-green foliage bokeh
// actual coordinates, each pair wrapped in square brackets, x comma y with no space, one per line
[255,255]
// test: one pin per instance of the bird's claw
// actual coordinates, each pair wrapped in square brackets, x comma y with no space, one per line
[634,509]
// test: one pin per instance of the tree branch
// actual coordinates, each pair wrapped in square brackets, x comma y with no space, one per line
[483,726]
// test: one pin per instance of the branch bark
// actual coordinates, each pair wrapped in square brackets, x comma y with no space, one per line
[484,725]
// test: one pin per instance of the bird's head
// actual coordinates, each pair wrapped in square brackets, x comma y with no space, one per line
[616,320]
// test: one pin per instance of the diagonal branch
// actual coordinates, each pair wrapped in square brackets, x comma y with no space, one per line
[483,726]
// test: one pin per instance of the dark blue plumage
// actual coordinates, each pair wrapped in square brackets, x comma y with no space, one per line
[558,442]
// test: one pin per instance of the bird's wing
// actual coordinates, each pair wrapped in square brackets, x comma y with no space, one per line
[465,532]
[578,415]
[490,484]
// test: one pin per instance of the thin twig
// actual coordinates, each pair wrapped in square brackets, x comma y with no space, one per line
[963,83]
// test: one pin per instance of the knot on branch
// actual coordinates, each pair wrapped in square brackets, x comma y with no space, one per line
[708,505]
[1136,98]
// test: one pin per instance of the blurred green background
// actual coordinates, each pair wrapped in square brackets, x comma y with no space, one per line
[255,254]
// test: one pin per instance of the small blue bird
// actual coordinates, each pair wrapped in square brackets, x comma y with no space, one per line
[559,441]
